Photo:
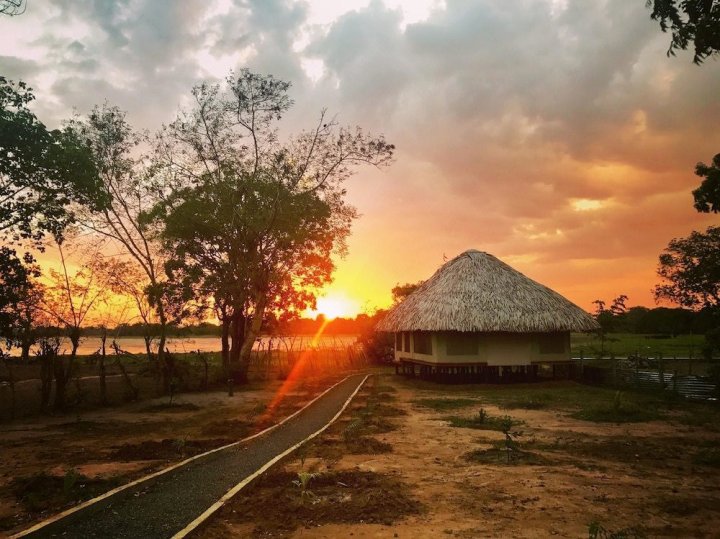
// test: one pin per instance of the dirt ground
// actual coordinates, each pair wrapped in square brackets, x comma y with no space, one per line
[51,463]
[421,477]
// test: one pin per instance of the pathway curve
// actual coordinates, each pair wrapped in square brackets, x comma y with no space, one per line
[161,507]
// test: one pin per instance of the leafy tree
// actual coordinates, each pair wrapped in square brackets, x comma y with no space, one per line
[618,308]
[15,284]
[690,268]
[402,291]
[694,22]
[41,173]
[29,318]
[607,318]
[252,222]
[127,187]
[69,300]
[13,7]
[707,196]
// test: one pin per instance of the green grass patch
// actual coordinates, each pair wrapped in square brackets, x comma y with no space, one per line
[167,407]
[590,403]
[627,450]
[498,454]
[539,401]
[626,413]
[620,410]
[701,415]
[442,405]
[42,491]
[709,456]
[599,531]
[624,344]
[483,421]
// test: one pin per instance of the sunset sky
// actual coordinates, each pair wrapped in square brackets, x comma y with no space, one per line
[556,135]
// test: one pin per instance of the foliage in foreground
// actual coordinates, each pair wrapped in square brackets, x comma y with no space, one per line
[619,410]
[483,421]
[443,404]
[598,531]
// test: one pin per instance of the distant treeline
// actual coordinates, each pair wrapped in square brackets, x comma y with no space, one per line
[642,320]
[301,326]
[660,320]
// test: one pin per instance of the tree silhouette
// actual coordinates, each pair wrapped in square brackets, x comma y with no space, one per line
[252,222]
[13,7]
[691,270]
[707,196]
[695,22]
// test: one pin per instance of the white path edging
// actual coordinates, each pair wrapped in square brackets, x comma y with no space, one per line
[233,491]
[154,475]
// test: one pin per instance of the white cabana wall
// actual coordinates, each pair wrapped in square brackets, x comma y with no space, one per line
[492,349]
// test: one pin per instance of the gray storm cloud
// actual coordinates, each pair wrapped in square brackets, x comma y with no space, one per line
[505,114]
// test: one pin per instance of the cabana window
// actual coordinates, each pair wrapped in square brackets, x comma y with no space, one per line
[406,338]
[461,344]
[552,343]
[398,342]
[423,342]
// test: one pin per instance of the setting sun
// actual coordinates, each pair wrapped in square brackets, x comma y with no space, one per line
[336,306]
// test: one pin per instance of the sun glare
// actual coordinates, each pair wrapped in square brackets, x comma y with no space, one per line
[335,307]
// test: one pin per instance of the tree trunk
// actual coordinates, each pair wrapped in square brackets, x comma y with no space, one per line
[252,334]
[237,334]
[133,391]
[63,372]
[225,345]
[46,377]
[206,367]
[60,383]
[11,383]
[161,347]
[101,373]
[237,330]
[25,350]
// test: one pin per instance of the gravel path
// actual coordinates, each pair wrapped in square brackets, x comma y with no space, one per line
[164,506]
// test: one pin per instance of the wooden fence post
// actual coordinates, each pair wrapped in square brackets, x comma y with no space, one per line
[614,370]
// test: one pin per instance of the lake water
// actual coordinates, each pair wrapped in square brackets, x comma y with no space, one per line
[136,345]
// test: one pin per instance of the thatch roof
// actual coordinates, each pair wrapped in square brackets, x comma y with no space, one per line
[477,292]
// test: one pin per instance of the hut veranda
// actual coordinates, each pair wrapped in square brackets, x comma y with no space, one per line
[479,319]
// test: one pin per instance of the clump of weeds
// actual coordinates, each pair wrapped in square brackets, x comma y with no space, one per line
[303,483]
[598,531]
[482,421]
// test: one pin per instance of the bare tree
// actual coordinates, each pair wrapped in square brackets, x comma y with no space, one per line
[120,223]
[69,300]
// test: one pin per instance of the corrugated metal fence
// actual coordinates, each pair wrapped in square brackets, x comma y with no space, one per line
[625,373]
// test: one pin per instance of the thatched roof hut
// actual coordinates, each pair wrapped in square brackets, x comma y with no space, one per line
[478,311]
[477,292]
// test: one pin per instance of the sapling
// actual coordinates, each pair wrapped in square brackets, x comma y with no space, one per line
[617,403]
[302,454]
[180,444]
[352,431]
[303,482]
[511,445]
[69,481]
